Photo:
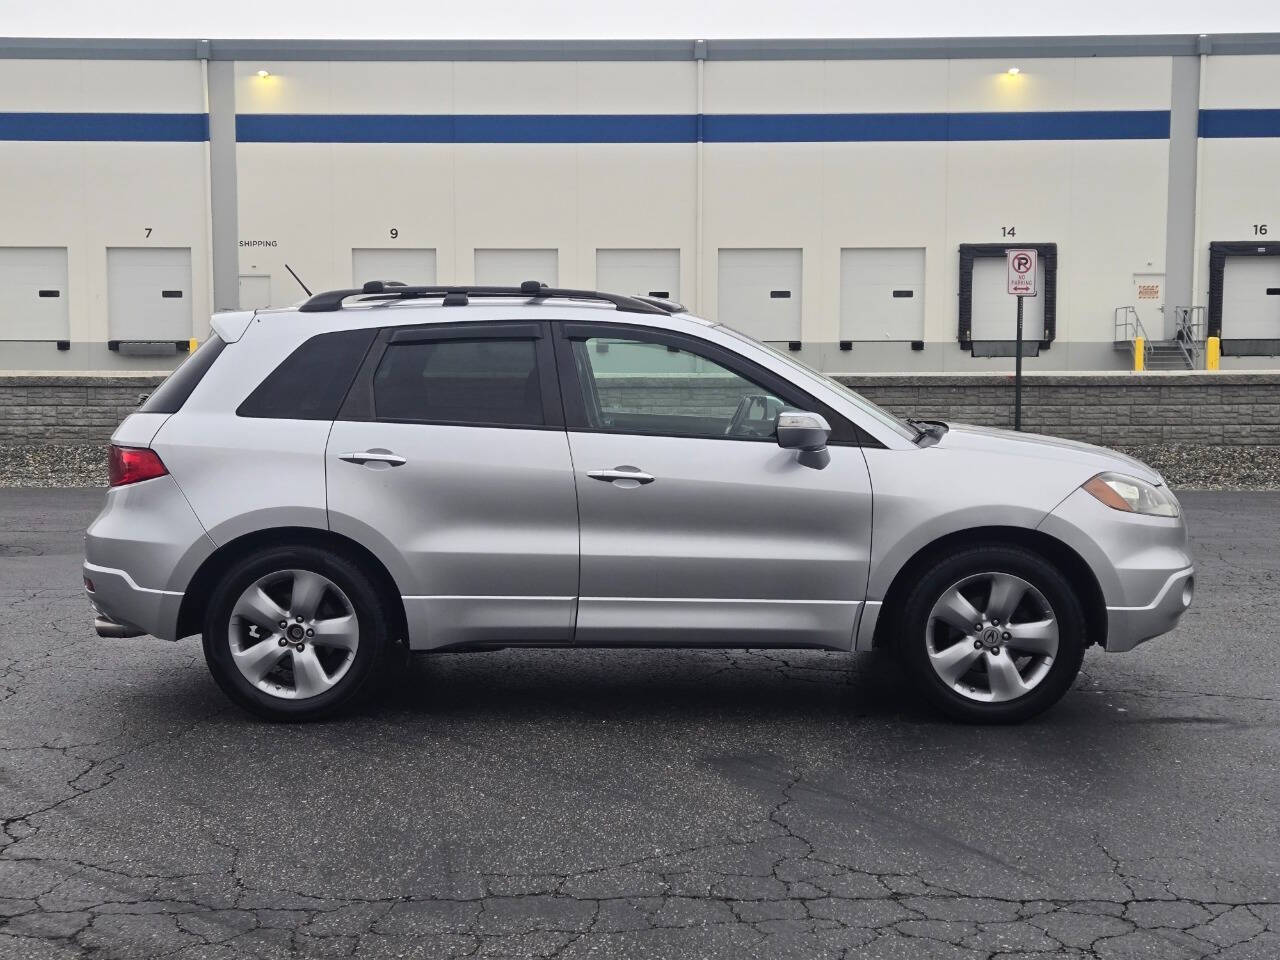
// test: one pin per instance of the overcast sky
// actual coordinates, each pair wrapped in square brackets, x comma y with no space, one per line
[612,18]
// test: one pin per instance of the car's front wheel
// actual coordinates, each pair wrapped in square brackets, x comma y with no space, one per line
[993,634]
[295,633]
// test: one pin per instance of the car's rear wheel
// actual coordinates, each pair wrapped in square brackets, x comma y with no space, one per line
[994,634]
[295,633]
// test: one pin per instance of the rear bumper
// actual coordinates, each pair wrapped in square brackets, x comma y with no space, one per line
[122,608]
[1129,626]
[140,554]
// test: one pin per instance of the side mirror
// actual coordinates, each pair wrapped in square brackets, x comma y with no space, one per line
[806,432]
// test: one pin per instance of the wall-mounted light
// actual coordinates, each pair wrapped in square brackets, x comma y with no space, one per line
[264,74]
[1013,71]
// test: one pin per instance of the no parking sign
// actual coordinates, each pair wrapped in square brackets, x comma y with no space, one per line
[1022,272]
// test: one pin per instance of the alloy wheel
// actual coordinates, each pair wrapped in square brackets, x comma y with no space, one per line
[992,637]
[293,634]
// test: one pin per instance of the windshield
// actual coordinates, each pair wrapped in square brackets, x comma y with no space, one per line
[899,426]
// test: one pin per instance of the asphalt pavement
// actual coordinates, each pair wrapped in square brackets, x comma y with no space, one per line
[636,804]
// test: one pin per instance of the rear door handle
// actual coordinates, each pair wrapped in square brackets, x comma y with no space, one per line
[623,474]
[374,456]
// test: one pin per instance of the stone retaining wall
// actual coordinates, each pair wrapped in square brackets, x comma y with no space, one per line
[1229,409]
[1234,409]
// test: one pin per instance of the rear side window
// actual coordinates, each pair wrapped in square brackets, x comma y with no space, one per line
[485,382]
[311,382]
[172,394]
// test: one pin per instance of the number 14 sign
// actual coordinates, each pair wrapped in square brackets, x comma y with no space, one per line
[1022,272]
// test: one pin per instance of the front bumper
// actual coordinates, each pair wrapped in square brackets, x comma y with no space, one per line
[1129,626]
[1141,563]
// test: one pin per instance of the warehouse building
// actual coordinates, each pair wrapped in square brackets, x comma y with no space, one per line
[850,201]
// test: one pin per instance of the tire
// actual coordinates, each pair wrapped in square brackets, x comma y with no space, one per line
[312,667]
[1012,665]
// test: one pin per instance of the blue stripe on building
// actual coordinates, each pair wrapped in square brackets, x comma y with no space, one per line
[465,128]
[637,128]
[715,128]
[882,127]
[1240,123]
[149,127]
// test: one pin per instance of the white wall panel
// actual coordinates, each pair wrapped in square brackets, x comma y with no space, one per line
[1123,83]
[764,86]
[344,86]
[102,86]
[1088,83]
[634,87]
[885,86]
[1119,197]
[1239,82]
[512,267]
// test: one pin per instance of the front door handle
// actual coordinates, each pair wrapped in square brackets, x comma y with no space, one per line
[374,456]
[623,476]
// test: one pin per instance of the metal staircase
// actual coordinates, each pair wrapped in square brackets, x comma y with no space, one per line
[1184,352]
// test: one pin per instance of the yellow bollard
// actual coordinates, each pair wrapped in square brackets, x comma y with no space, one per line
[1212,353]
[1139,360]
[192,344]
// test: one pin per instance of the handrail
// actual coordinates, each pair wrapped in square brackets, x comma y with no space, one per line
[1127,326]
[1189,334]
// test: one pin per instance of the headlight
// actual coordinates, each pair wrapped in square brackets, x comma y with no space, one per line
[1132,495]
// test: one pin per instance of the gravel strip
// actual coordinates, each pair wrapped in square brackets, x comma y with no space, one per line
[1184,466]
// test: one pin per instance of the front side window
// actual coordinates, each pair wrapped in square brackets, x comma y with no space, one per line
[636,386]
[484,382]
[896,424]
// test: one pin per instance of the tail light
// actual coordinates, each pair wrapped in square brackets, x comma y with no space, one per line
[132,464]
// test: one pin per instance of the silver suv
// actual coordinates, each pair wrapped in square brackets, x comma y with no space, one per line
[446,468]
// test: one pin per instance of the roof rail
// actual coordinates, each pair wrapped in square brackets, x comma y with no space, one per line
[387,291]
[666,304]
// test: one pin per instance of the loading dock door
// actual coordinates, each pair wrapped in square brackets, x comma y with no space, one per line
[1251,298]
[759,293]
[995,312]
[33,293]
[149,293]
[255,291]
[882,294]
[511,267]
[639,273]
[412,266]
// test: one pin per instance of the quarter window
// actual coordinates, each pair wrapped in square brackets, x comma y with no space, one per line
[635,386]
[311,382]
[485,381]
